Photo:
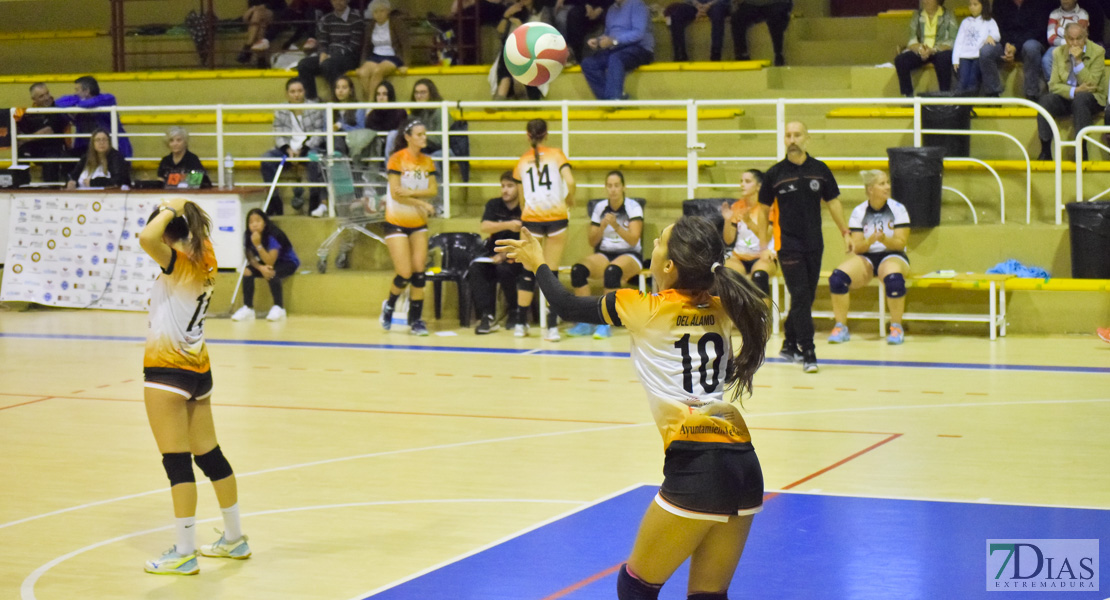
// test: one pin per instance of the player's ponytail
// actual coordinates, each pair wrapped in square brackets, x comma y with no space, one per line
[698,252]
[198,226]
[537,133]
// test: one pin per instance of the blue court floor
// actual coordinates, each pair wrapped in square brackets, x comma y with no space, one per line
[801,546]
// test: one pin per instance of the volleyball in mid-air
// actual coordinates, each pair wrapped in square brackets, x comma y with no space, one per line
[535,53]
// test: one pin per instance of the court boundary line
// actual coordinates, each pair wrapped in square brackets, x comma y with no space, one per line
[564,353]
[954,501]
[27,588]
[322,462]
[495,543]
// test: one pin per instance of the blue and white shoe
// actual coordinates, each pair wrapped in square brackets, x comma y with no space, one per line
[579,330]
[236,549]
[387,315]
[897,335]
[839,334]
[173,563]
[419,327]
[602,332]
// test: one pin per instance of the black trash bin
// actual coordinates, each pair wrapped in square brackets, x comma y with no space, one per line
[916,178]
[946,116]
[1089,223]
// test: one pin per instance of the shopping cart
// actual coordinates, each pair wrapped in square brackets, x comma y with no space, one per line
[357,191]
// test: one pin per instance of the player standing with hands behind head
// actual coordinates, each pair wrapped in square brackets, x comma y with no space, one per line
[547,186]
[411,182]
[797,185]
[682,350]
[178,375]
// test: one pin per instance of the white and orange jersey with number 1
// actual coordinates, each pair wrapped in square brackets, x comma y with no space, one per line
[681,349]
[178,303]
[544,190]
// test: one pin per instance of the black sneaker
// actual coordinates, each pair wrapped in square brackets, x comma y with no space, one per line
[486,325]
[790,353]
[809,361]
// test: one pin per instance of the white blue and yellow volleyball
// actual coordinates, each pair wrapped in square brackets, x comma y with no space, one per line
[535,53]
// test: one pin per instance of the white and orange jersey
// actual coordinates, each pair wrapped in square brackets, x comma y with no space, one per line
[416,174]
[545,192]
[178,302]
[681,348]
[747,242]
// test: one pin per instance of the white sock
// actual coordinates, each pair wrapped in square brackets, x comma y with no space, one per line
[232,529]
[186,535]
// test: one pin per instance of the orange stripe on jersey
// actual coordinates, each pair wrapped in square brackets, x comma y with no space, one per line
[416,173]
[774,218]
[178,304]
[543,190]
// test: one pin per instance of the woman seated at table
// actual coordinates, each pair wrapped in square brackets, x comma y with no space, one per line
[176,166]
[102,166]
[880,228]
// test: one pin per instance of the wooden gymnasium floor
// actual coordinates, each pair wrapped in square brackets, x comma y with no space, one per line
[368,459]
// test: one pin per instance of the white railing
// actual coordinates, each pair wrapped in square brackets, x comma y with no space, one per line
[575,138]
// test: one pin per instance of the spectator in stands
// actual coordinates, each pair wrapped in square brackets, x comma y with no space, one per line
[932,33]
[576,20]
[626,45]
[102,166]
[306,13]
[176,167]
[297,131]
[1067,13]
[339,40]
[424,90]
[680,14]
[976,31]
[746,13]
[386,46]
[259,15]
[739,230]
[385,120]
[1021,24]
[88,95]
[616,229]
[1076,86]
[44,124]
[880,229]
[345,119]
[270,255]
[500,221]
[517,13]
[799,184]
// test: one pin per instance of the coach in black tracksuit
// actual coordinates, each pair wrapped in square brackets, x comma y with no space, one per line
[799,184]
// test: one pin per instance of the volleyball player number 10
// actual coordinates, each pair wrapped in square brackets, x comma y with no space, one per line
[683,345]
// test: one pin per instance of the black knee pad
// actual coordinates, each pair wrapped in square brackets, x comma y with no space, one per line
[839,282]
[631,588]
[703,596]
[179,468]
[614,277]
[400,282]
[526,282]
[213,464]
[895,285]
[762,281]
[418,280]
[579,276]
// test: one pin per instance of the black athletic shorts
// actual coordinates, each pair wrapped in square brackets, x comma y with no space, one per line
[711,481]
[877,258]
[615,255]
[748,264]
[391,230]
[189,384]
[547,227]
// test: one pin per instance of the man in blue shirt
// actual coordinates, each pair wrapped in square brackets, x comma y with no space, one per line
[626,45]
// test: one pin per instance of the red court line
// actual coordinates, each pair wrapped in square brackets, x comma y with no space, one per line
[24,403]
[609,571]
[375,412]
[822,430]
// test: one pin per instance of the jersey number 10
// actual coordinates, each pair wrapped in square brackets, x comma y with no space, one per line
[708,360]
[545,177]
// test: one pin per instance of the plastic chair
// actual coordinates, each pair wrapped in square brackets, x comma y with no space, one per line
[457,249]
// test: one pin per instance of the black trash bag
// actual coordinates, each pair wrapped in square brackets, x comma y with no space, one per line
[939,116]
[1089,225]
[916,179]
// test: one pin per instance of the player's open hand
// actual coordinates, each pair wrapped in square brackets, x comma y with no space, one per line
[526,251]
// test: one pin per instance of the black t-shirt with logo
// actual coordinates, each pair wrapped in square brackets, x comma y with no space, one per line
[799,191]
[497,211]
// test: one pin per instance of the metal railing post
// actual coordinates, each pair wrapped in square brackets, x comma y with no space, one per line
[15,133]
[444,123]
[692,147]
[329,151]
[220,172]
[113,127]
